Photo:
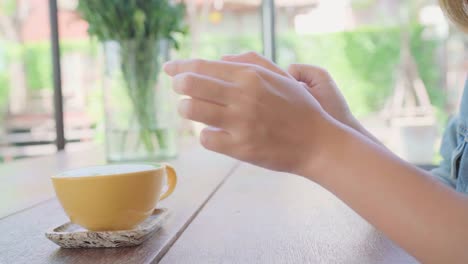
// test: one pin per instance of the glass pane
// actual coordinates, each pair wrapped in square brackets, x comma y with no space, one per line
[83,61]
[398,63]
[218,28]
[221,27]
[27,126]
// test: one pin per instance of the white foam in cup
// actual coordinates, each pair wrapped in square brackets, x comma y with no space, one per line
[104,170]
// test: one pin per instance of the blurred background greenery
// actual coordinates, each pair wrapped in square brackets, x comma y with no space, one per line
[350,55]
[358,41]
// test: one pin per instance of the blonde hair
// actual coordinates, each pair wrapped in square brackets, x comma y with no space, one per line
[457,11]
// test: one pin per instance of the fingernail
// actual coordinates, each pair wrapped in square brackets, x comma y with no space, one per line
[169,67]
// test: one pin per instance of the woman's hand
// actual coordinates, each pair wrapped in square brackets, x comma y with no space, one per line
[317,81]
[256,115]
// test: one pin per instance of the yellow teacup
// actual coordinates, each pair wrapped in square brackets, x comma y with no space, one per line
[113,197]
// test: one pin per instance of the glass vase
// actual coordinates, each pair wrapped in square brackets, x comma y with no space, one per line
[139,105]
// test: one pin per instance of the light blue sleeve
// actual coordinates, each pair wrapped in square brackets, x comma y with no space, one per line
[449,144]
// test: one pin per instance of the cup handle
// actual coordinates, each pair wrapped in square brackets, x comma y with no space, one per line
[171,181]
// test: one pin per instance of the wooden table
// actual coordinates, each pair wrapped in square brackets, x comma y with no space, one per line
[222,212]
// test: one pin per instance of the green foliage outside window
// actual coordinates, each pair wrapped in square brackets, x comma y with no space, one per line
[363,62]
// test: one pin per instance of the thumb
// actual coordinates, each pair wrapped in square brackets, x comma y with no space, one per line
[308,74]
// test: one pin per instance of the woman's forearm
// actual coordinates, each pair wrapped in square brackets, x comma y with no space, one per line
[356,125]
[422,215]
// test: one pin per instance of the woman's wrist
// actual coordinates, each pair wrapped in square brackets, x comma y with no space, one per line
[325,151]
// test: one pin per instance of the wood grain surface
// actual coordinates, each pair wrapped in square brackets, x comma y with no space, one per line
[259,216]
[22,238]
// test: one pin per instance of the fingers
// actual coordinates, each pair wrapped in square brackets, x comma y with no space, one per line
[204,112]
[308,74]
[216,69]
[216,139]
[257,59]
[204,88]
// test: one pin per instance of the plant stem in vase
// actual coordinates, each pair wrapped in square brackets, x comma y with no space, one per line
[136,122]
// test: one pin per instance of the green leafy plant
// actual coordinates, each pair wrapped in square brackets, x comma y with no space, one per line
[138,26]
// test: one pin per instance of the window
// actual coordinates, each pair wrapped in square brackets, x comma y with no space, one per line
[218,28]
[404,100]
[222,27]
[401,77]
